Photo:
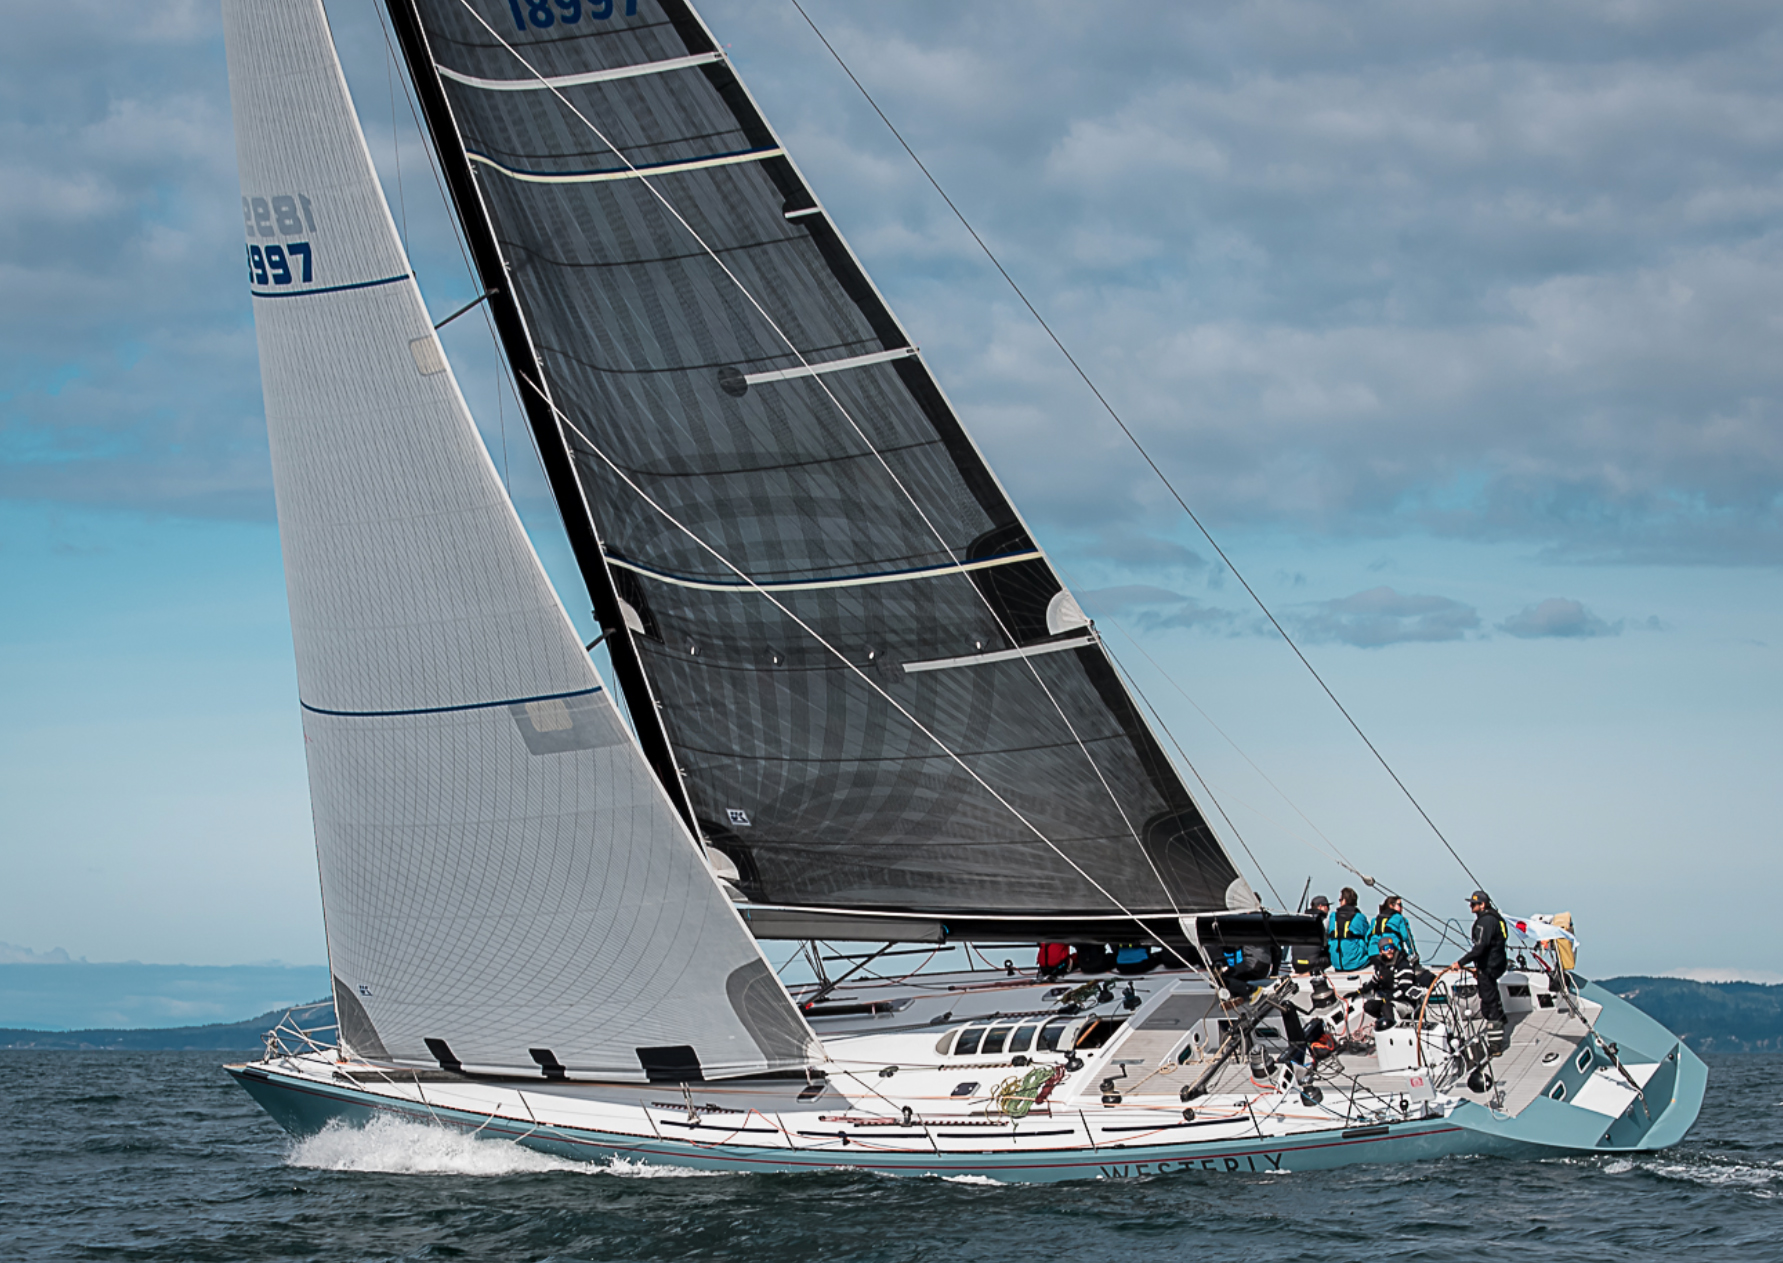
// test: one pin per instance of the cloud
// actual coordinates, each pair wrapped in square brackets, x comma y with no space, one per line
[1490,271]
[1154,609]
[1560,617]
[1382,616]
[1487,272]
[1130,547]
[13,954]
[128,368]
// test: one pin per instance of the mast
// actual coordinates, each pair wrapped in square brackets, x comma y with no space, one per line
[524,364]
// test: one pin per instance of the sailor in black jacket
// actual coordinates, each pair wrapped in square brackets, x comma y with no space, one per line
[1395,983]
[1486,956]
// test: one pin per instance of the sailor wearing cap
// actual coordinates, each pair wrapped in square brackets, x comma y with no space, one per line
[1487,959]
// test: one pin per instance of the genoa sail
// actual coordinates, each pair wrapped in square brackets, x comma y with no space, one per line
[874,690]
[507,887]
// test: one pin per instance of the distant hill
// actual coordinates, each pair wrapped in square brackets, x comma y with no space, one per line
[1725,1017]
[221,1037]
[42,992]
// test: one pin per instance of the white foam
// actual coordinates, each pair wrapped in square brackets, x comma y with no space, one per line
[395,1146]
[1621,1166]
[641,1170]
[972,1179]
[1761,1180]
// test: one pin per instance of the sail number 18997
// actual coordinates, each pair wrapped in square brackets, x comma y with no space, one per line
[543,13]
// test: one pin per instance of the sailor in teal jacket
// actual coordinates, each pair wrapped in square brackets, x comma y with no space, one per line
[1391,923]
[1351,943]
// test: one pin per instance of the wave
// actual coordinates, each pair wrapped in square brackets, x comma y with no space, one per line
[396,1146]
[1763,1180]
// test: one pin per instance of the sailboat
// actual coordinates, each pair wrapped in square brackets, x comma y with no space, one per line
[861,706]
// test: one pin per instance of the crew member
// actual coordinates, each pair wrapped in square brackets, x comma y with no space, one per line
[1392,923]
[1312,958]
[1135,958]
[1053,961]
[1242,967]
[1092,958]
[1395,982]
[1487,960]
[1348,935]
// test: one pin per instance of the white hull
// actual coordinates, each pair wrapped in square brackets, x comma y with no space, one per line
[911,1122]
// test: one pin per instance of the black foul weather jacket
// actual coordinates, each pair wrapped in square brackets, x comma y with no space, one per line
[1489,935]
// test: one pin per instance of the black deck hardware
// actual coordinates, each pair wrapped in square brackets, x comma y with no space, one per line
[549,1066]
[676,1063]
[442,1053]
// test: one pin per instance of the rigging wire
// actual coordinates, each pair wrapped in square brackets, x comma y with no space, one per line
[842,409]
[501,376]
[1332,851]
[817,636]
[1201,780]
[1134,440]
[402,203]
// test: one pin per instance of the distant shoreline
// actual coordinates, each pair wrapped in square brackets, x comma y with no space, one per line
[1716,1017]
[244,1036]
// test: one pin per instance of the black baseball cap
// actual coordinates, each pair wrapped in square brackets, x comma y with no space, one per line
[1479,896]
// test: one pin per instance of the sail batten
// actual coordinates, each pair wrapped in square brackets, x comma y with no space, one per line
[633,172]
[540,84]
[730,385]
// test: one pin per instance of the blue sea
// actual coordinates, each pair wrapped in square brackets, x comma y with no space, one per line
[157,1156]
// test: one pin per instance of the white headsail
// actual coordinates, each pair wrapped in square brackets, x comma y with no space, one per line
[506,884]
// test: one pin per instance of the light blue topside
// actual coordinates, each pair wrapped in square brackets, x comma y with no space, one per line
[1545,1128]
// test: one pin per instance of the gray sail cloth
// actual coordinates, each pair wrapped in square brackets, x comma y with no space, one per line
[502,875]
[817,786]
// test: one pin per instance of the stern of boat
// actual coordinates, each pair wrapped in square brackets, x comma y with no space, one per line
[1635,1087]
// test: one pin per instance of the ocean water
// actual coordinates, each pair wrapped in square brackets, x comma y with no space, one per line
[157,1156]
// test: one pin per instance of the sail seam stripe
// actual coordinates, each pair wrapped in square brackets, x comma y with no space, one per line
[829,366]
[575,81]
[326,289]
[816,585]
[998,655]
[443,710]
[623,173]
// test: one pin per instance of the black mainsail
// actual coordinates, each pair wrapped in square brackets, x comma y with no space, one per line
[842,647]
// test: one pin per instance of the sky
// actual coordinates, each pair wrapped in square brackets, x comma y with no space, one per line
[1454,323]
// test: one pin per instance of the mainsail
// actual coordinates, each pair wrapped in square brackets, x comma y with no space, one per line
[839,640]
[506,884]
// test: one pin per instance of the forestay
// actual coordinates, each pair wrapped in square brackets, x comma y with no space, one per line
[734,392]
[506,885]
